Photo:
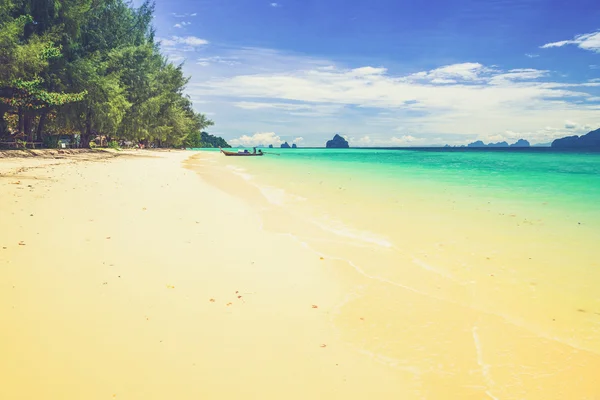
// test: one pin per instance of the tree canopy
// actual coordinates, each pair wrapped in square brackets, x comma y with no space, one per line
[198,140]
[91,67]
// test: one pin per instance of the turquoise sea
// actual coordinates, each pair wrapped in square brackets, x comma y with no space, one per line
[568,181]
[568,176]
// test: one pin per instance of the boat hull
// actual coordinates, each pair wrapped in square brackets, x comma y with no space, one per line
[234,154]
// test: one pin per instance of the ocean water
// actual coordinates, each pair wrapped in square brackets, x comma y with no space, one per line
[493,252]
[570,179]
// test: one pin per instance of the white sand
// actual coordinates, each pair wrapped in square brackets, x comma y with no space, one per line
[109,294]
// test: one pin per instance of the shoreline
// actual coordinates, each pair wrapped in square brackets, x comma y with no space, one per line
[434,292]
[127,280]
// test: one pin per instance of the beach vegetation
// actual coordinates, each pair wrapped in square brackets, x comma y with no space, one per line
[90,68]
[198,140]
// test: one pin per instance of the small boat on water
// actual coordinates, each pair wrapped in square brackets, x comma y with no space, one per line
[245,153]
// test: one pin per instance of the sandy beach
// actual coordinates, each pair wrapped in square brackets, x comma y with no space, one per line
[132,278]
[157,275]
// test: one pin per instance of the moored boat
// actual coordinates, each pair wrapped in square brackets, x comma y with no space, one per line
[243,154]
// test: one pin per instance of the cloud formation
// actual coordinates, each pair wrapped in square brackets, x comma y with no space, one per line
[184,15]
[304,109]
[206,61]
[448,104]
[587,41]
[261,139]
[570,124]
[257,139]
[394,141]
[174,41]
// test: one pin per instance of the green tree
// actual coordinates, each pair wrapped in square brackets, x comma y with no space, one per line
[91,67]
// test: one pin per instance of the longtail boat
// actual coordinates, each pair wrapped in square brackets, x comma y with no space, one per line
[233,153]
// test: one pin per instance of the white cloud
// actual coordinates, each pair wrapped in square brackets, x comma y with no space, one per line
[219,60]
[531,55]
[174,41]
[177,26]
[472,91]
[450,102]
[404,139]
[258,139]
[368,71]
[203,63]
[451,73]
[442,81]
[588,41]
[193,41]
[304,109]
[571,124]
[275,5]
[298,140]
[370,141]
[183,15]
[517,74]
[364,141]
[249,105]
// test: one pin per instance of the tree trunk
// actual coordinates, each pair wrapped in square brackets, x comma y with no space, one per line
[21,127]
[3,123]
[28,126]
[40,127]
[85,138]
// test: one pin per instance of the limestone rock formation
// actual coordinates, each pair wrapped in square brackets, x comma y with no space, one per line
[591,141]
[337,142]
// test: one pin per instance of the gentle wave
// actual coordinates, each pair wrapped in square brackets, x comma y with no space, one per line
[273,195]
[240,172]
[278,196]
[340,229]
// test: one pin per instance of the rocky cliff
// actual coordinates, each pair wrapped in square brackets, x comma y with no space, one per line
[518,143]
[337,142]
[591,140]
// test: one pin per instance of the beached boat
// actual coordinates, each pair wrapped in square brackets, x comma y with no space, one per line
[233,153]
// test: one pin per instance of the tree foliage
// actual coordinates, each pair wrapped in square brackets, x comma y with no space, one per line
[90,67]
[199,140]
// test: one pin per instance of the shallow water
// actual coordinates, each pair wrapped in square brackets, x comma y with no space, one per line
[479,269]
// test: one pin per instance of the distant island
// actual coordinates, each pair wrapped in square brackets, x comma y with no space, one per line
[294,146]
[518,143]
[591,140]
[285,146]
[337,142]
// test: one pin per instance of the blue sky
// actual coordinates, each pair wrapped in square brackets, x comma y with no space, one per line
[383,72]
